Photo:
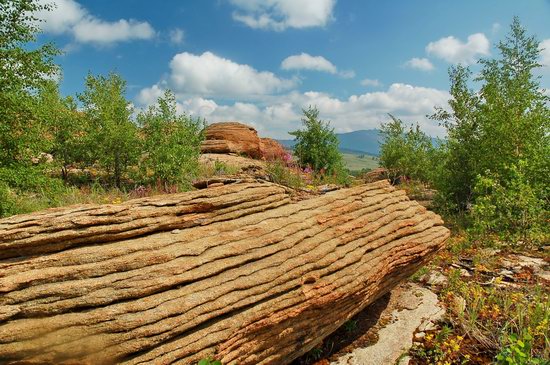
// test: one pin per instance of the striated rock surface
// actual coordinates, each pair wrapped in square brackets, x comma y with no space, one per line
[377,174]
[272,150]
[237,272]
[231,137]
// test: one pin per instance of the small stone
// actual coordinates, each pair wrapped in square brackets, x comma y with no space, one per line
[419,335]
[176,231]
[465,273]
[427,325]
[434,278]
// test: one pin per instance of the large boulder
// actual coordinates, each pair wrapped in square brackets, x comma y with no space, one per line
[231,137]
[272,150]
[240,273]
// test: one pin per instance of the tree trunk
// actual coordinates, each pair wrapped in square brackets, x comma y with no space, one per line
[239,273]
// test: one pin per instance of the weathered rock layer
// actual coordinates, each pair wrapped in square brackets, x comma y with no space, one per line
[236,272]
[231,137]
[240,139]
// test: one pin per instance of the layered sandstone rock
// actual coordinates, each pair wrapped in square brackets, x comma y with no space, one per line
[231,137]
[272,150]
[237,272]
[376,174]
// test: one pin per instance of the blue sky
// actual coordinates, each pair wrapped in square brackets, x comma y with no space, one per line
[260,62]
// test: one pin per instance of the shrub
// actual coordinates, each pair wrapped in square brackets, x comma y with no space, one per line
[282,174]
[112,136]
[7,202]
[405,153]
[171,142]
[317,145]
[511,208]
[491,129]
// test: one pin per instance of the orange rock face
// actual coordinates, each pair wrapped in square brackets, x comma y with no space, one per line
[271,149]
[232,137]
[240,273]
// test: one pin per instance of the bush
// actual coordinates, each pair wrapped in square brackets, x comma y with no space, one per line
[112,136]
[406,153]
[281,174]
[511,208]
[491,129]
[7,202]
[317,145]
[171,143]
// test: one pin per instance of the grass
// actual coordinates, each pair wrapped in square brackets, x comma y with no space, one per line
[356,162]
[489,321]
[31,189]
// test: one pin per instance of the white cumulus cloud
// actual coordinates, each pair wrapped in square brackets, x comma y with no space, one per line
[422,64]
[69,17]
[453,50]
[279,15]
[305,61]
[177,36]
[370,82]
[210,75]
[277,115]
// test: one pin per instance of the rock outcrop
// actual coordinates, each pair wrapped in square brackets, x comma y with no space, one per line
[272,150]
[237,272]
[232,137]
[240,139]
[376,174]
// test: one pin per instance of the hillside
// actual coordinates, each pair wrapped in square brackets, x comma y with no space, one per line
[358,162]
[357,142]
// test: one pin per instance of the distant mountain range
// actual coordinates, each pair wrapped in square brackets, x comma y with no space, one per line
[357,142]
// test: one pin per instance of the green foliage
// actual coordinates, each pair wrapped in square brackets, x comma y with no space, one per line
[29,178]
[66,127]
[350,325]
[281,174]
[507,120]
[405,152]
[7,202]
[171,142]
[111,136]
[209,361]
[509,208]
[459,154]
[23,71]
[518,352]
[18,180]
[496,158]
[317,145]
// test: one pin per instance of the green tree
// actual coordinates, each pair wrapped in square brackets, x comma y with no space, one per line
[317,145]
[497,155]
[65,124]
[405,152]
[22,71]
[112,136]
[171,142]
[459,155]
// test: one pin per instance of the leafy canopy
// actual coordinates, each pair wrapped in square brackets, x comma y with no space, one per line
[112,136]
[23,71]
[405,152]
[317,145]
[171,142]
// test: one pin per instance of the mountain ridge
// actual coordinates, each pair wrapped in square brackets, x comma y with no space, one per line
[364,141]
